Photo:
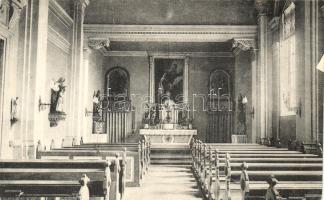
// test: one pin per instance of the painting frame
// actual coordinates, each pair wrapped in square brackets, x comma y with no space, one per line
[185,74]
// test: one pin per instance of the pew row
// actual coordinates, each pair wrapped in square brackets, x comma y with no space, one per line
[218,173]
[299,185]
[133,169]
[62,178]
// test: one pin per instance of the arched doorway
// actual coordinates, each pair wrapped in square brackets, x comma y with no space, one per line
[119,117]
[220,112]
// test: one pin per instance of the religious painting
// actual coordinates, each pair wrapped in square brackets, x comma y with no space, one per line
[168,79]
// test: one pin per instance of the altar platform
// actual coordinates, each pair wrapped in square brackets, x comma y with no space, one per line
[168,137]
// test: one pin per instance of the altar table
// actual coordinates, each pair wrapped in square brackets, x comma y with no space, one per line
[168,137]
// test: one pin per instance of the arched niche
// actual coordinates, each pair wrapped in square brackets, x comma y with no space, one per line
[117,83]
[219,83]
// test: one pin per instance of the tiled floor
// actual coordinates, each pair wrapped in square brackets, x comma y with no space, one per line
[166,182]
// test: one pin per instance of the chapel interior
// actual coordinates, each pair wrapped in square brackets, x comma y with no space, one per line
[161,99]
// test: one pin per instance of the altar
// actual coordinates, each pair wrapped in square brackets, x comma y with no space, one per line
[168,137]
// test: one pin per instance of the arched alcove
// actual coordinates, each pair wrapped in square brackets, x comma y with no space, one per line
[117,83]
[220,80]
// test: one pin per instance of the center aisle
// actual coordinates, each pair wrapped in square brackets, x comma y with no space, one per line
[166,182]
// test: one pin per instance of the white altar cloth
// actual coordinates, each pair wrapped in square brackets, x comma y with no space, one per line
[168,137]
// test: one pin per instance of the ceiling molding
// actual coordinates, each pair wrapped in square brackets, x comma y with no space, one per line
[159,53]
[169,33]
[58,40]
[60,13]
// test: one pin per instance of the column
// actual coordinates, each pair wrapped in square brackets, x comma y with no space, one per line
[76,106]
[85,95]
[262,101]
[8,75]
[33,62]
[274,26]
[90,46]
[255,125]
[244,50]
[152,85]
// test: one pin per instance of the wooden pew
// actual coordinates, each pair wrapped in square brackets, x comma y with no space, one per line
[289,189]
[132,161]
[307,166]
[143,147]
[315,148]
[60,178]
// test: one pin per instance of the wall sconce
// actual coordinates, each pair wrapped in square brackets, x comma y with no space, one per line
[42,105]
[244,100]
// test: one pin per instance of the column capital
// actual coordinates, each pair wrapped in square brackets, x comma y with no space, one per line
[96,44]
[263,7]
[239,45]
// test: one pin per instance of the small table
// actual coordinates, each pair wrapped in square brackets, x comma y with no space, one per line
[168,137]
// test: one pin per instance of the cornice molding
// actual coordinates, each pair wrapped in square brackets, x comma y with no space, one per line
[60,13]
[58,40]
[166,54]
[169,33]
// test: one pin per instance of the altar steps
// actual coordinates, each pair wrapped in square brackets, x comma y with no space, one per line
[171,155]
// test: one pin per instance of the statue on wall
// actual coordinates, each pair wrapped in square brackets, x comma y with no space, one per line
[96,108]
[57,102]
[57,95]
[14,110]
